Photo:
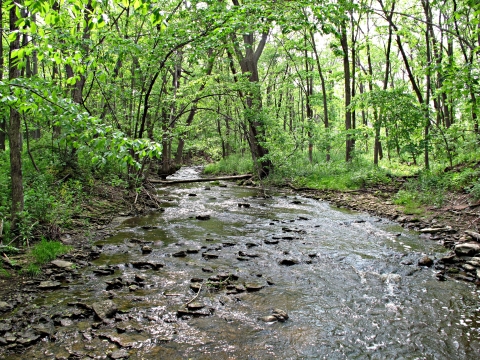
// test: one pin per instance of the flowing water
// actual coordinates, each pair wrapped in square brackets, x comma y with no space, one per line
[352,290]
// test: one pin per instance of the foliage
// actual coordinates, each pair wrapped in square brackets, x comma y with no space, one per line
[46,251]
[336,175]
[475,190]
[103,88]
[32,270]
[4,273]
[410,201]
[233,164]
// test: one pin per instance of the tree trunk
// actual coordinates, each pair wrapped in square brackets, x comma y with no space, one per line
[324,92]
[253,111]
[193,109]
[348,93]
[15,132]
[415,87]
[308,105]
[378,153]
[3,122]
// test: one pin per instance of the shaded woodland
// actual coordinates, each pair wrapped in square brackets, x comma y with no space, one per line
[111,90]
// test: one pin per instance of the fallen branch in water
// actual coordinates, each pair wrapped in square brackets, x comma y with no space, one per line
[196,296]
[183,181]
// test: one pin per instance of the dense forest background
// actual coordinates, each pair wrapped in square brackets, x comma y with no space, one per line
[325,94]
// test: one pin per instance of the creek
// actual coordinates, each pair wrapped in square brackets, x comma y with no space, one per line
[349,282]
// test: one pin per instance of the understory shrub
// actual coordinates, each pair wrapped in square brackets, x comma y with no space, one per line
[42,253]
[233,164]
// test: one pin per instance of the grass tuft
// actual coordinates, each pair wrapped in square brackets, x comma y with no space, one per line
[46,251]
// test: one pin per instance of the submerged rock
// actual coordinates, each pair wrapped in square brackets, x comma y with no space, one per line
[195,305]
[205,311]
[139,278]
[240,288]
[147,265]
[105,309]
[203,217]
[425,261]
[269,318]
[116,283]
[450,259]
[146,249]
[103,270]
[49,285]
[119,354]
[28,339]
[228,244]
[196,287]
[181,253]
[251,287]
[277,315]
[271,242]
[280,314]
[289,262]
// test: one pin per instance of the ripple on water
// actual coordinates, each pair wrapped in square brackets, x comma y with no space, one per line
[350,292]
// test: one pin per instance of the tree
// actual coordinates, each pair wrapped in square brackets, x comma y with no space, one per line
[248,59]
[15,129]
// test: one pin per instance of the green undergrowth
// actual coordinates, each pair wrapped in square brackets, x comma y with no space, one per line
[417,187]
[53,194]
[42,253]
[233,164]
[431,188]
[338,175]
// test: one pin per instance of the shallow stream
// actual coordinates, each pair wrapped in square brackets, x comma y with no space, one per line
[348,281]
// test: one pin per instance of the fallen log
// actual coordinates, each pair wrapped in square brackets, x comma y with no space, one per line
[183,181]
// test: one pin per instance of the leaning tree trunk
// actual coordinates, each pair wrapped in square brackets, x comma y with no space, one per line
[256,130]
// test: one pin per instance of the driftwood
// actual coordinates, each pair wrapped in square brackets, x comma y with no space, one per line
[170,182]
[196,296]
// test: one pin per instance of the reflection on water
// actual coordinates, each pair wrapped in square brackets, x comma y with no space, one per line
[349,296]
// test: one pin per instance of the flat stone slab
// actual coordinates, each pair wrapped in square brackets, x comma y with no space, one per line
[4,306]
[289,262]
[146,265]
[49,285]
[254,286]
[105,309]
[435,230]
[62,264]
[467,249]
